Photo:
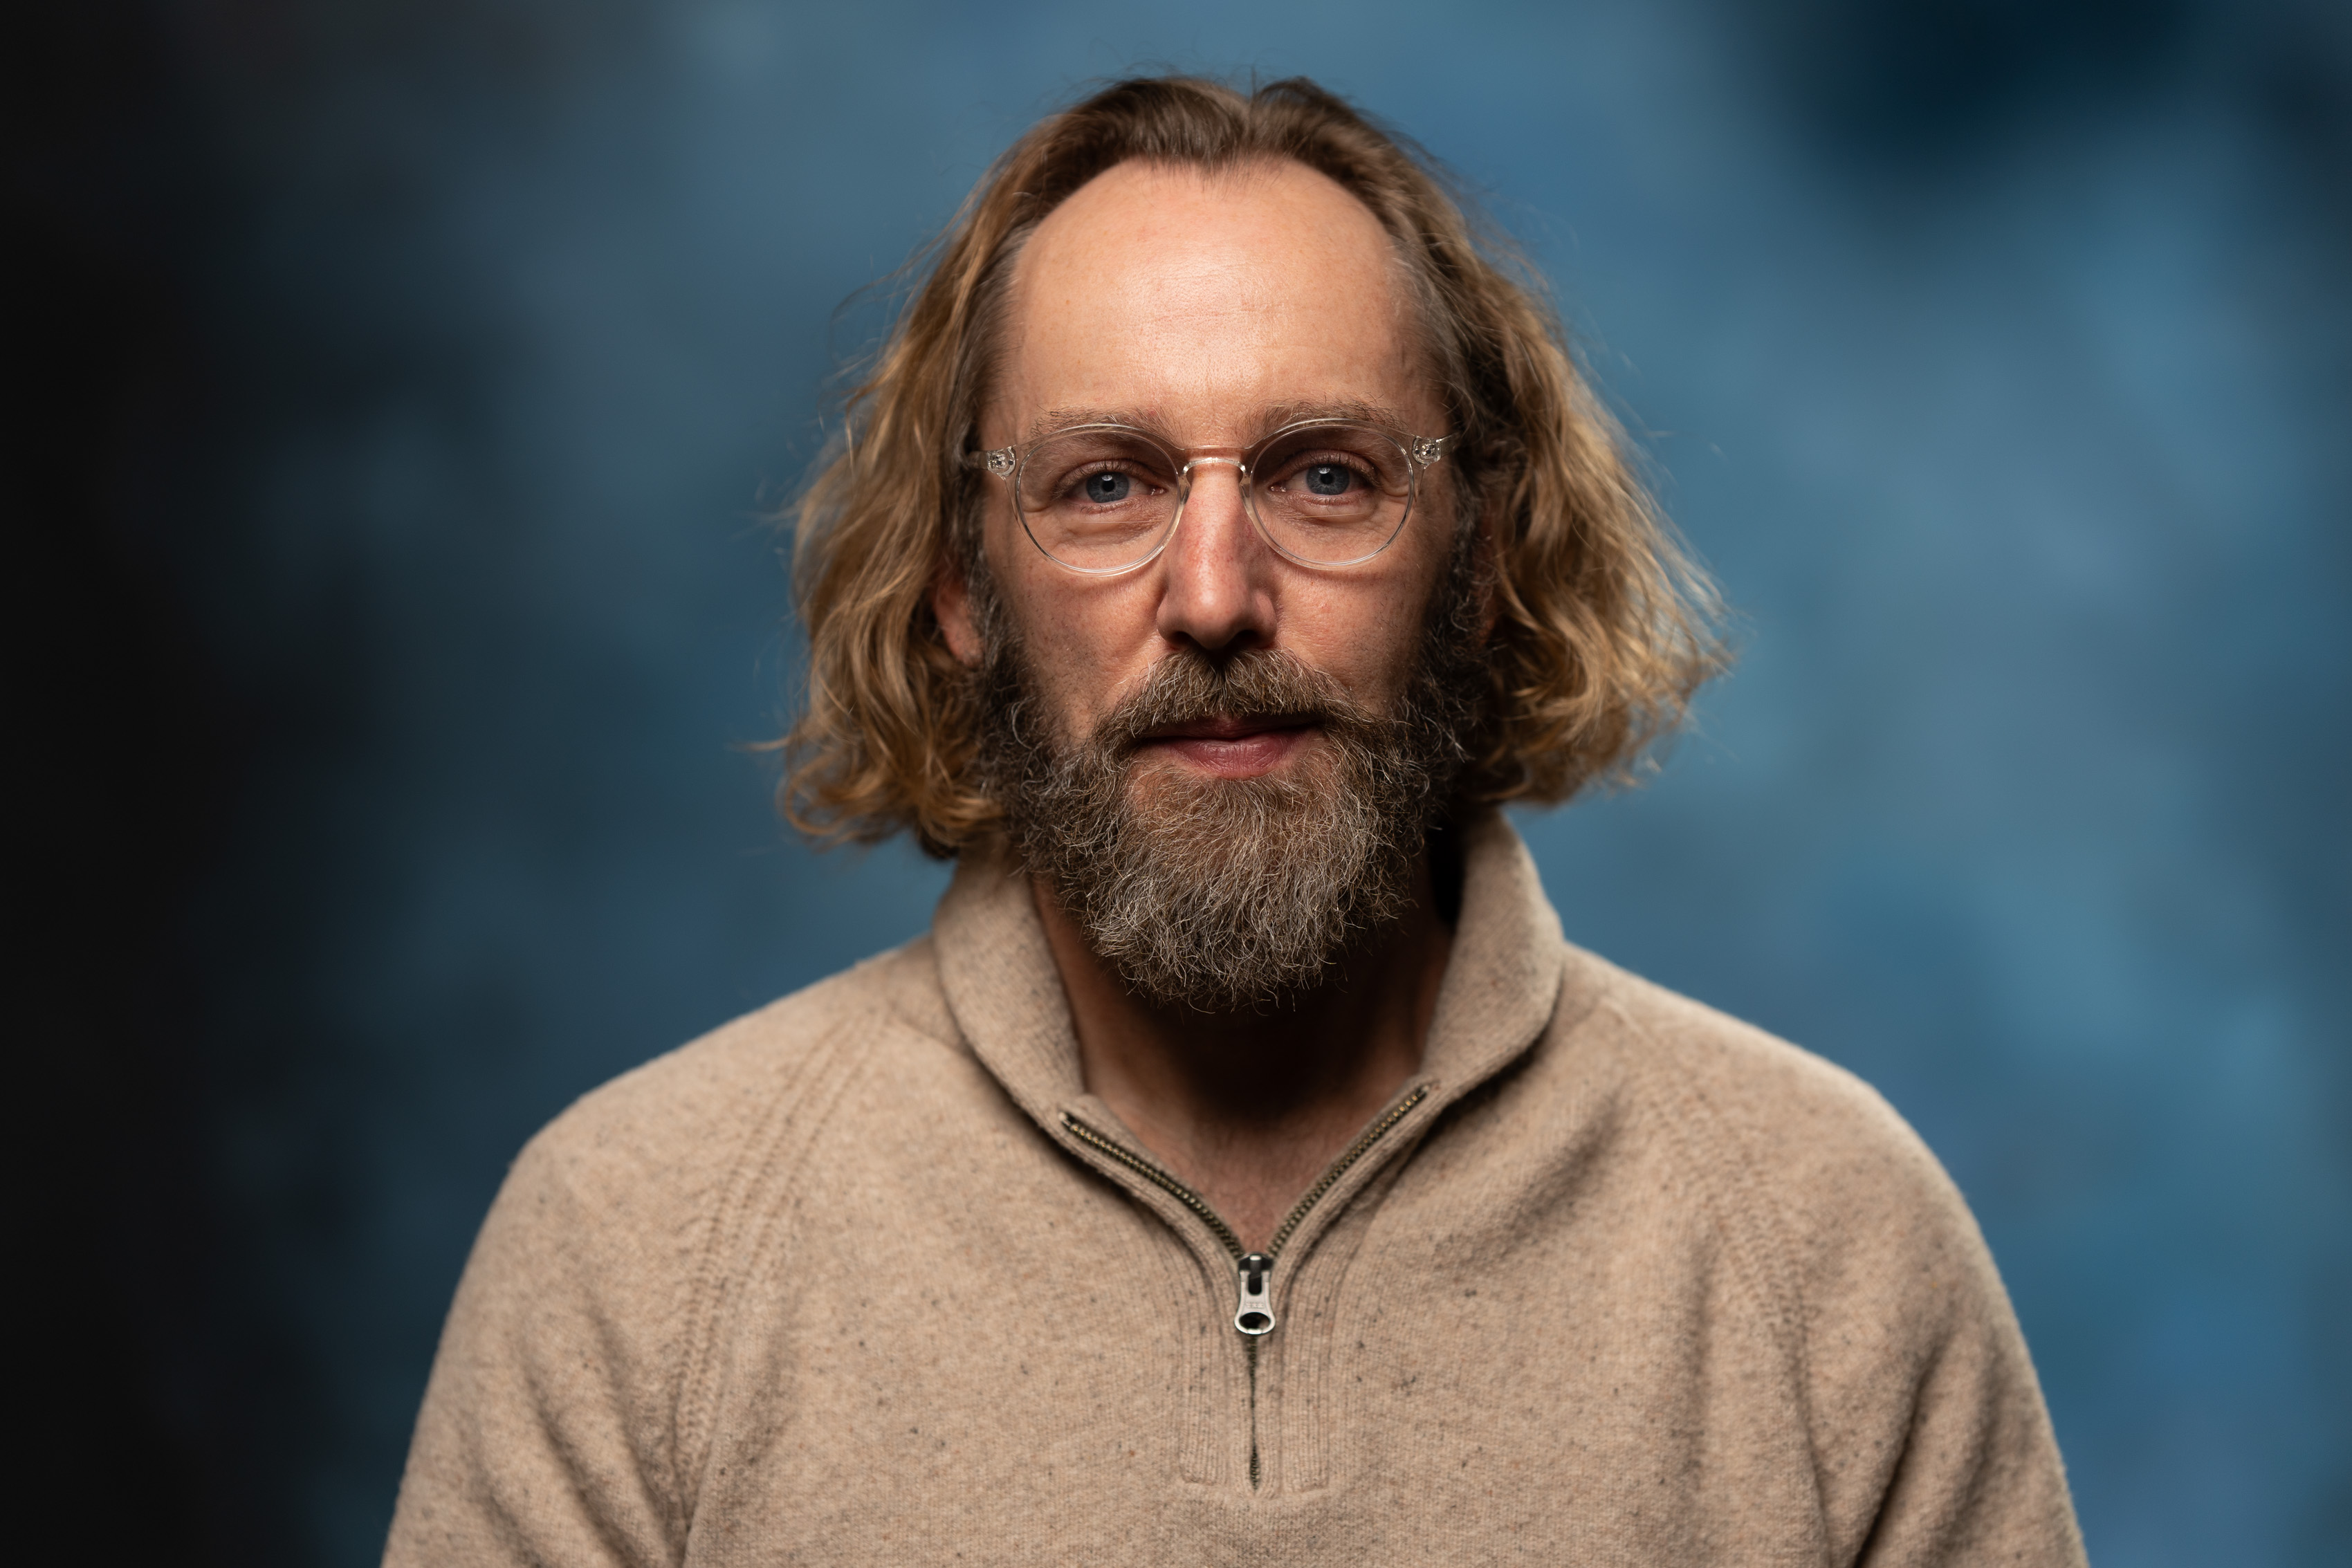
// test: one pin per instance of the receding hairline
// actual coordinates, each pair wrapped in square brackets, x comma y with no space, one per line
[1237,169]
[1416,310]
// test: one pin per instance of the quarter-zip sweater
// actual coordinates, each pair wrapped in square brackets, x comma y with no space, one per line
[868,1276]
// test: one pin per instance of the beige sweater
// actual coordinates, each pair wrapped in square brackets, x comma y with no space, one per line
[868,1277]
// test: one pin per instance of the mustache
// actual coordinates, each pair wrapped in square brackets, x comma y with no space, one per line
[1260,683]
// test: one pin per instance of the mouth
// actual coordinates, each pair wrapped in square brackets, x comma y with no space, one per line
[1227,748]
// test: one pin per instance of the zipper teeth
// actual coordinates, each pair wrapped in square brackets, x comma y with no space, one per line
[1340,1167]
[1199,1205]
[1159,1178]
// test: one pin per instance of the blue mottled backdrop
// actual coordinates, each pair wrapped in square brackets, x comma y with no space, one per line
[444,362]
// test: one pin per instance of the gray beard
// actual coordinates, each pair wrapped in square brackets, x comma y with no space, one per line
[1223,894]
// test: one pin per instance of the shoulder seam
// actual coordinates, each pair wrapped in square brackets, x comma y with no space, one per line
[1760,1250]
[800,1106]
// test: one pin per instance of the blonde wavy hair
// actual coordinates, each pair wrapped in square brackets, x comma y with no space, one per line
[1604,625]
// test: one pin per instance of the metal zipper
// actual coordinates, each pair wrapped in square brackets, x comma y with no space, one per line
[1254,1316]
[1339,1168]
[1157,1178]
[1253,1272]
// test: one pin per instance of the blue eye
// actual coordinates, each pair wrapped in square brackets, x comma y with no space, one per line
[1107,489]
[1329,479]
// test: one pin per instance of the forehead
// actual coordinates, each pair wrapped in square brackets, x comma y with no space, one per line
[1193,297]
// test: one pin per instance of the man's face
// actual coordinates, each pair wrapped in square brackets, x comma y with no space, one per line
[1209,311]
[1222,762]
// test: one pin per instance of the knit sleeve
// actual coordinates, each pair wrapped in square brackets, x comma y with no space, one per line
[1971,1470]
[1932,1445]
[547,1435]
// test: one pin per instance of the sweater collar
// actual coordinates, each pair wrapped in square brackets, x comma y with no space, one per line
[1502,980]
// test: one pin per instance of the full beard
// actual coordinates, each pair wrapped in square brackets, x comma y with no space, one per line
[1226,894]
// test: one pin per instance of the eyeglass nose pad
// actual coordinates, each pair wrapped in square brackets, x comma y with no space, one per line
[1241,480]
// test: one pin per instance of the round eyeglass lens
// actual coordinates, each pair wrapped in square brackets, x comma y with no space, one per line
[1097,500]
[1332,494]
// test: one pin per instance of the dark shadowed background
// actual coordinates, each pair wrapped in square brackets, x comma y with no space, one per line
[403,385]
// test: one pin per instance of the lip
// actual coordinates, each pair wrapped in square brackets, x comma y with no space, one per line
[1221,728]
[1231,748]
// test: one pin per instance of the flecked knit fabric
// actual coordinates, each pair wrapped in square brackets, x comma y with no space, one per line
[1629,1282]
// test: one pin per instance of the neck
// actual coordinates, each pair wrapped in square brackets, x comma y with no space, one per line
[1249,1108]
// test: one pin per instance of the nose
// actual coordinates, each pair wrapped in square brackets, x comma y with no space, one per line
[1217,589]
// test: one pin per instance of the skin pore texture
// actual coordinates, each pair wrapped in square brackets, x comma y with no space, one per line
[1210,309]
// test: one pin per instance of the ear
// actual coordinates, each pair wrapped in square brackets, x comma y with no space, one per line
[952,603]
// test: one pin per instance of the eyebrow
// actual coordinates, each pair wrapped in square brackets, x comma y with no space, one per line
[1269,419]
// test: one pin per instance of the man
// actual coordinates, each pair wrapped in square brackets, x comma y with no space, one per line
[1244,1170]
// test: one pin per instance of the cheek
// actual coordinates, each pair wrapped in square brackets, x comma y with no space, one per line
[1362,631]
[1396,598]
[1084,639]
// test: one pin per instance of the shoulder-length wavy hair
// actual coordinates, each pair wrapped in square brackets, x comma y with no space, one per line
[1604,627]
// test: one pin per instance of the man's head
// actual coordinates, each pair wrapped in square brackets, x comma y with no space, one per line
[1254,724]
[1220,759]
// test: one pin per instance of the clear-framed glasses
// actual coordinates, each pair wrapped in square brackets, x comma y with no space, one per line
[1106,499]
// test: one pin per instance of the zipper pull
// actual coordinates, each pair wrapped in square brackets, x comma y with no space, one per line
[1255,1315]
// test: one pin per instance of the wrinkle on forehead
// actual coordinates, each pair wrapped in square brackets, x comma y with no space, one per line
[1231,287]
[1262,422]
